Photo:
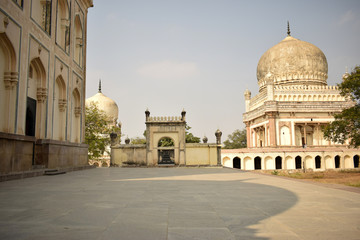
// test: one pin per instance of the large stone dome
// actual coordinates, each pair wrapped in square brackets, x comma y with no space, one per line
[292,61]
[105,104]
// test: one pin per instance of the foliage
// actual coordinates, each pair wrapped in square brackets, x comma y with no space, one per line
[166,142]
[97,131]
[236,140]
[347,123]
[189,137]
[138,140]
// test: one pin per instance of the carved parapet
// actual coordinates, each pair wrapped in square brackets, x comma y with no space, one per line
[10,79]
[62,105]
[165,119]
[41,94]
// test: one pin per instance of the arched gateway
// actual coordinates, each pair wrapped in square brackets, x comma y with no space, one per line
[165,139]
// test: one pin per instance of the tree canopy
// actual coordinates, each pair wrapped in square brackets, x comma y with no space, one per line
[236,140]
[189,137]
[97,131]
[347,123]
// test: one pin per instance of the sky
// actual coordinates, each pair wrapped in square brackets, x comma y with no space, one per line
[201,55]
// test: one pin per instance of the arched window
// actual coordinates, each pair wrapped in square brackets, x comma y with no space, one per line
[63,25]
[257,163]
[356,161]
[317,162]
[41,14]
[298,162]
[278,162]
[236,163]
[337,161]
[78,53]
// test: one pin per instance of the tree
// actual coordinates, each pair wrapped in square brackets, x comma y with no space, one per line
[97,131]
[347,123]
[236,140]
[138,140]
[189,137]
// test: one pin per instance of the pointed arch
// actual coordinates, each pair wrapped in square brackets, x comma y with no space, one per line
[78,53]
[75,113]
[8,80]
[36,97]
[60,103]
[63,25]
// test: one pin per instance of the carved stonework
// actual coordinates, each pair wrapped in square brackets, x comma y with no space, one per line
[77,111]
[41,95]
[10,79]
[6,21]
[62,105]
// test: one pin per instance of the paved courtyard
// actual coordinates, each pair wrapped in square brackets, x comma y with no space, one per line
[174,203]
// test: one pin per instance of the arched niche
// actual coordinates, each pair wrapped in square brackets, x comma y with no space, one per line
[60,103]
[9,77]
[63,25]
[75,116]
[78,51]
[36,99]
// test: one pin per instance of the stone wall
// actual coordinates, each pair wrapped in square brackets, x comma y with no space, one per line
[16,153]
[196,154]
[201,154]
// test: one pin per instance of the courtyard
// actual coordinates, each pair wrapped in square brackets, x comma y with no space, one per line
[175,203]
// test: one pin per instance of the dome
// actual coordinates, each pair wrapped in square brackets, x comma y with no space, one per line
[105,104]
[291,62]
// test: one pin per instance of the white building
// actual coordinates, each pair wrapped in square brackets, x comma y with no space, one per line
[284,119]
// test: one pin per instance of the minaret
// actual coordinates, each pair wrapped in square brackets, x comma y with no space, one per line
[99,86]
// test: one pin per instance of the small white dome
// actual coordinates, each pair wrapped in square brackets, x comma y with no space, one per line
[105,104]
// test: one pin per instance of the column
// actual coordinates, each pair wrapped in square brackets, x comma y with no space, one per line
[272,129]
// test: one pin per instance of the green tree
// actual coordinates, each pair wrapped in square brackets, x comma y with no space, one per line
[236,140]
[347,123]
[97,131]
[138,140]
[189,137]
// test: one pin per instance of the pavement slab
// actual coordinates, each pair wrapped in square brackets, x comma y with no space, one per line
[175,203]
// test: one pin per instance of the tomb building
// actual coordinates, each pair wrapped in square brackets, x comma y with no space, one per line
[42,84]
[110,109]
[284,120]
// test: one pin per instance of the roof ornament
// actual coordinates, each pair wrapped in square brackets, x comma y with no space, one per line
[99,86]
[288,28]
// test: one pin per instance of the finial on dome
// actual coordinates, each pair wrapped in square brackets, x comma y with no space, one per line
[99,85]
[288,29]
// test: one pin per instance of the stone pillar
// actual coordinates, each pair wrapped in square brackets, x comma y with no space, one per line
[272,128]
[248,134]
[247,95]
[305,137]
[147,115]
[218,134]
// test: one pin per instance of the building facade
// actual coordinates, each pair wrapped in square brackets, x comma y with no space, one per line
[42,84]
[284,120]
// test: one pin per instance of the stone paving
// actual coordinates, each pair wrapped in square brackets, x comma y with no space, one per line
[174,203]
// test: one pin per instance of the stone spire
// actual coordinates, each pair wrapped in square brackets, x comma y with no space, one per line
[99,86]
[288,29]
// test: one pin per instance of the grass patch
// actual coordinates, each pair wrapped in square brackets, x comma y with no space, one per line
[345,177]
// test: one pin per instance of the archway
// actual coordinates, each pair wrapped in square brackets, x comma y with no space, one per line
[236,163]
[337,161]
[278,162]
[166,153]
[317,162]
[298,162]
[76,114]
[257,163]
[356,161]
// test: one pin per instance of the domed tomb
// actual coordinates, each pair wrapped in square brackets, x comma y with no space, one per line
[292,62]
[105,104]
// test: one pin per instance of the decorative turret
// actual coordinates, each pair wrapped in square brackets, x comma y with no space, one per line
[205,139]
[147,114]
[247,95]
[218,134]
[183,113]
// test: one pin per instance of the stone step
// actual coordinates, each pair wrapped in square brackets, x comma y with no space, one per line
[52,172]
[38,167]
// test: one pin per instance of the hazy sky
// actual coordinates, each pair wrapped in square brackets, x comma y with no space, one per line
[201,55]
